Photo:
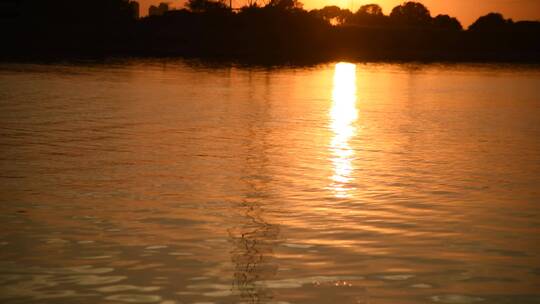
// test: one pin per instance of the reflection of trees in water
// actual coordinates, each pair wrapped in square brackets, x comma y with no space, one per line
[253,254]
[253,241]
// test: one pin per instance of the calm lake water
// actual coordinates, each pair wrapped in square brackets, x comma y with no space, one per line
[179,182]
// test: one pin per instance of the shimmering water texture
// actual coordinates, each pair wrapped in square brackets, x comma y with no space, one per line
[179,182]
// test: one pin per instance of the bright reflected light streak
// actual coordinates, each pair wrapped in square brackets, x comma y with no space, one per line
[342,117]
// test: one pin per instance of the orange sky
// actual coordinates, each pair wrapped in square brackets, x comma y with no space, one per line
[466,10]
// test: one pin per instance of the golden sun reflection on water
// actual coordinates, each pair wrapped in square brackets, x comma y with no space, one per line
[343,114]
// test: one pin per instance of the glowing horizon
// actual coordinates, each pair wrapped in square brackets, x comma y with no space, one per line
[465,10]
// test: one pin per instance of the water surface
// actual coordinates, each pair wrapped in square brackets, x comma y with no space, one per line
[178,182]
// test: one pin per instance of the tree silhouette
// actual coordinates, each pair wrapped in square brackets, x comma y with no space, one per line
[447,23]
[280,30]
[200,6]
[411,14]
[491,22]
[368,15]
[285,4]
[159,10]
[370,10]
[333,14]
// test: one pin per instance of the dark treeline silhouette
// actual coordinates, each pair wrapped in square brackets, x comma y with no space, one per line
[279,30]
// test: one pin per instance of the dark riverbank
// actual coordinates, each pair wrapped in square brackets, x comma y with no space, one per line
[268,34]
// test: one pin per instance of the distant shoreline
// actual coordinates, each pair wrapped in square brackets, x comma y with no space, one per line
[267,59]
[256,62]
[280,32]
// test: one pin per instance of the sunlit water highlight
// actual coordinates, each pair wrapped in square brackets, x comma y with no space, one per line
[343,115]
[179,182]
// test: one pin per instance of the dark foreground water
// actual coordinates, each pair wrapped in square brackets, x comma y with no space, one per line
[175,182]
